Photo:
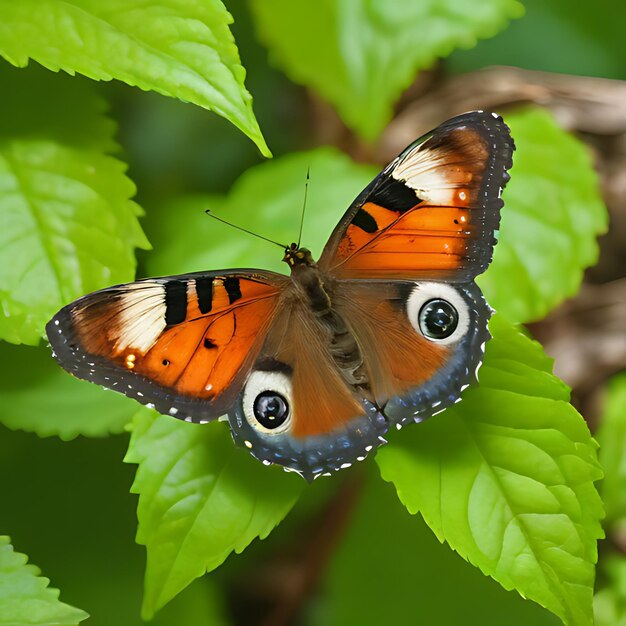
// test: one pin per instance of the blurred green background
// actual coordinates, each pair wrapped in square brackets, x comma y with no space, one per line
[67,504]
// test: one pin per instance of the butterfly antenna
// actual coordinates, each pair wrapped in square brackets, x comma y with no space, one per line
[245,230]
[306,188]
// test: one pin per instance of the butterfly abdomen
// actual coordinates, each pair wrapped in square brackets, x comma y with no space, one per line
[316,289]
[345,351]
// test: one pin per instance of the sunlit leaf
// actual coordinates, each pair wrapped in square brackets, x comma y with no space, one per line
[506,478]
[180,49]
[38,396]
[612,439]
[67,225]
[410,575]
[609,604]
[553,212]
[610,601]
[201,498]
[559,36]
[360,55]
[25,598]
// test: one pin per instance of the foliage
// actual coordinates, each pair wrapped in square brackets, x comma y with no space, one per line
[69,226]
[612,437]
[25,597]
[505,477]
[410,563]
[200,499]
[555,36]
[264,195]
[361,55]
[552,214]
[610,601]
[180,49]
[39,397]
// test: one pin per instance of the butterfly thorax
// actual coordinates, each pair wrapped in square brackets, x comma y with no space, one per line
[308,278]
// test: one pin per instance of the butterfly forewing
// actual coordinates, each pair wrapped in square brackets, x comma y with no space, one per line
[182,344]
[433,212]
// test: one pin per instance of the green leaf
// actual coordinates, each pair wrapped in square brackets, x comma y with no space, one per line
[38,396]
[559,36]
[506,478]
[553,212]
[25,598]
[403,566]
[612,439]
[360,55]
[610,601]
[201,498]
[266,199]
[179,49]
[67,224]
[609,604]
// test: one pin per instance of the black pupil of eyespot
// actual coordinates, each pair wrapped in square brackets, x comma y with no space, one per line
[438,319]
[270,409]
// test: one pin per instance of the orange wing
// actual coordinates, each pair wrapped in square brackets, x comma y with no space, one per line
[182,345]
[299,407]
[324,389]
[414,373]
[432,212]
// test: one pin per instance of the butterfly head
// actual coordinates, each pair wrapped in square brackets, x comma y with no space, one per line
[295,256]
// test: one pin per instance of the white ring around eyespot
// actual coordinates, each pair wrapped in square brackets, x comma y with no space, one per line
[422,293]
[258,382]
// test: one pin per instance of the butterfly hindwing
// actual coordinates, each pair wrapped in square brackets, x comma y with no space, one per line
[182,344]
[321,420]
[433,211]
[335,383]
[422,342]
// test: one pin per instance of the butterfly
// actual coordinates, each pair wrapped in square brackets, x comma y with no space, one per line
[387,328]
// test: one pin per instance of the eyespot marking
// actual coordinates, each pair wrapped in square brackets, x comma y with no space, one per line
[448,313]
[267,401]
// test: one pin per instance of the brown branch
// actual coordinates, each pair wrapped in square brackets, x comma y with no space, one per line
[587,338]
[274,592]
[580,103]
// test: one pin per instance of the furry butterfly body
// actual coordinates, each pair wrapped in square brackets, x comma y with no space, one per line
[312,369]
